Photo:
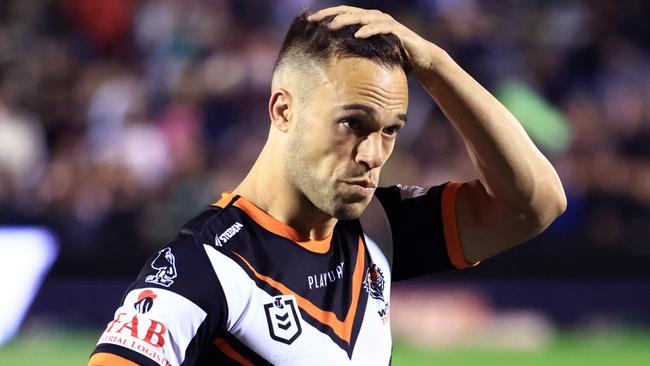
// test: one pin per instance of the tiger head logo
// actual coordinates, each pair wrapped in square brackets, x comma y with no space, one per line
[374,282]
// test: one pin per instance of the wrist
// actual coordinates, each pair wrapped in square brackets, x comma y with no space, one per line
[432,61]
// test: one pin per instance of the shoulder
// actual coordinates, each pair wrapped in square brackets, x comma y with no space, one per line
[398,193]
[183,265]
[174,308]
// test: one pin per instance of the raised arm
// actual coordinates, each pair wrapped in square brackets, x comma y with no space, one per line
[518,193]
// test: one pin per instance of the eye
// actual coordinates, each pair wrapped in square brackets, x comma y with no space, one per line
[351,123]
[391,131]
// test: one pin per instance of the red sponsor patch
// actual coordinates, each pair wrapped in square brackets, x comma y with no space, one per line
[137,346]
[153,335]
[139,333]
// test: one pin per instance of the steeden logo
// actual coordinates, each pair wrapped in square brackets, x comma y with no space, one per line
[220,240]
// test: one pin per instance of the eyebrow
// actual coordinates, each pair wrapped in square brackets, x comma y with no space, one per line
[369,110]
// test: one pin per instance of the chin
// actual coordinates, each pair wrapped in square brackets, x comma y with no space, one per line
[350,211]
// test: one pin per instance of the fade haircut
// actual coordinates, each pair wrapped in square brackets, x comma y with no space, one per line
[307,42]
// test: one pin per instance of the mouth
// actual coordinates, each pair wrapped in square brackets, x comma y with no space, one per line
[362,187]
[362,183]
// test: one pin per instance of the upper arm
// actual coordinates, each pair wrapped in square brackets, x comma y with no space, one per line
[488,226]
[423,230]
[169,314]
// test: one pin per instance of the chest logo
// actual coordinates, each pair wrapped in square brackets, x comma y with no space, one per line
[283,319]
[374,282]
[165,264]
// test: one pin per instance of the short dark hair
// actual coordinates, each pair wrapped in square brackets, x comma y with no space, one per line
[314,40]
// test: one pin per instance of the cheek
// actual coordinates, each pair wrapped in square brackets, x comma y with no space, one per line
[330,144]
[333,162]
[388,149]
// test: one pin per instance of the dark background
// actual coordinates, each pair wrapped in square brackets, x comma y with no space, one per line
[120,120]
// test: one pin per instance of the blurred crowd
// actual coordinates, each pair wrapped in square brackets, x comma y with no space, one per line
[121,119]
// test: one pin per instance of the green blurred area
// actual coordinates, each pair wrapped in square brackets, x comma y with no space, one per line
[543,122]
[629,348]
[52,348]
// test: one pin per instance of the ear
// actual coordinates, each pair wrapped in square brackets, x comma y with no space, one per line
[280,109]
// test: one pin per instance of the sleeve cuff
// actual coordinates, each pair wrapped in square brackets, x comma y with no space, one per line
[450,227]
[109,359]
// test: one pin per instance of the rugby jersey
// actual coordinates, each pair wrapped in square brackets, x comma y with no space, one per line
[237,286]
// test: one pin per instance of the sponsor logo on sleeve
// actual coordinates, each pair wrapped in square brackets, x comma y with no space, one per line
[156,323]
[221,239]
[165,264]
[143,335]
[283,319]
[145,301]
[374,283]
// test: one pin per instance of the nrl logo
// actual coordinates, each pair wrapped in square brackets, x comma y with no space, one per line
[283,319]
[165,263]
[374,282]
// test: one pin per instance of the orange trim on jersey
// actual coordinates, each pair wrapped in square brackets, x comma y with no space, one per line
[274,225]
[224,200]
[230,352]
[342,328]
[109,359]
[450,227]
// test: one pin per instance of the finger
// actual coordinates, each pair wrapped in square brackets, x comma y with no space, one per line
[344,19]
[363,18]
[373,29]
[323,13]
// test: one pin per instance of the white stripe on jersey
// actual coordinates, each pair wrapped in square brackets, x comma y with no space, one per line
[144,328]
[376,335]
[235,283]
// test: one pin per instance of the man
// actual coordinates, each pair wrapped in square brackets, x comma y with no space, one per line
[294,267]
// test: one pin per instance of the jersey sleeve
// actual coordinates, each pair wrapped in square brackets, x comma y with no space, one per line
[424,230]
[173,310]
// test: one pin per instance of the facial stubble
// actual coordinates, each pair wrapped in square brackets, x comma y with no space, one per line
[319,191]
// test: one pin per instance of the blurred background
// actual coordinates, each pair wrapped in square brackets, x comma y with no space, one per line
[121,119]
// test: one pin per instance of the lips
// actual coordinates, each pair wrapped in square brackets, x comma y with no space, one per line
[359,190]
[363,183]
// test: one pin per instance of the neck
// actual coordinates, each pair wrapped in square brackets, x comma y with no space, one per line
[267,187]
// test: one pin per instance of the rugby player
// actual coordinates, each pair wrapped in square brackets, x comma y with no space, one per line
[294,266]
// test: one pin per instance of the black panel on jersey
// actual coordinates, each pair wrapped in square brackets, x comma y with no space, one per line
[214,356]
[195,281]
[192,267]
[126,353]
[418,238]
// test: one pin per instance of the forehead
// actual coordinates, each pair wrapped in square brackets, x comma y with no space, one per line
[359,80]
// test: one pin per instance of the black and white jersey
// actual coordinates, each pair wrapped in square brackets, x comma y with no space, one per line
[237,286]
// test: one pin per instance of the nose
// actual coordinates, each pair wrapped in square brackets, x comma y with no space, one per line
[370,151]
